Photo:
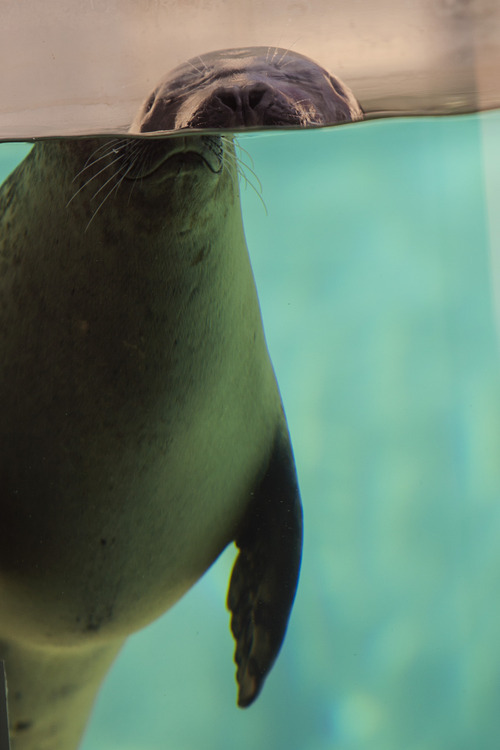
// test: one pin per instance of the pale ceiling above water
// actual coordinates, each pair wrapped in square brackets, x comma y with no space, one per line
[80,66]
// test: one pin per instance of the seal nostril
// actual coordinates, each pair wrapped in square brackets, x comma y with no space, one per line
[229,99]
[236,98]
[255,97]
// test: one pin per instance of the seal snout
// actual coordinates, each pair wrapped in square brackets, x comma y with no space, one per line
[242,105]
[253,104]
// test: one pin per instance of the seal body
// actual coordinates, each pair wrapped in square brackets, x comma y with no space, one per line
[141,424]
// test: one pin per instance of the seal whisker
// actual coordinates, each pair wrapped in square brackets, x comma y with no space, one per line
[232,160]
[286,52]
[106,155]
[133,157]
[252,172]
[113,176]
[109,193]
[286,64]
[132,186]
[247,153]
[122,178]
[205,66]
[106,143]
[270,57]
[278,63]
[118,158]
[230,157]
[235,160]
[234,170]
[241,166]
[190,62]
[89,163]
[257,193]
[115,187]
[134,149]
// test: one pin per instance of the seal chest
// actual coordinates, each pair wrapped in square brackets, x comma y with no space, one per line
[142,425]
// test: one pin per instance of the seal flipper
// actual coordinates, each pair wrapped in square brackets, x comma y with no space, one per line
[266,571]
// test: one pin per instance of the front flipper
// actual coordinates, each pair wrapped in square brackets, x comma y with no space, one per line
[266,571]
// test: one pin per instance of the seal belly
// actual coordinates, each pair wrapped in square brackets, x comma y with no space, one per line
[96,553]
[125,470]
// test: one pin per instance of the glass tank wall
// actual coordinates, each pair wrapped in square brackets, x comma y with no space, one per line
[375,250]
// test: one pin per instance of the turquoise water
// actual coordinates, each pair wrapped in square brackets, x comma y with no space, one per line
[374,270]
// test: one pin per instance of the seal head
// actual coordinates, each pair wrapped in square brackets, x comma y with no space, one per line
[245,88]
[235,89]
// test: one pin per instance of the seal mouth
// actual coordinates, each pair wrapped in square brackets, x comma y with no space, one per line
[254,105]
[144,158]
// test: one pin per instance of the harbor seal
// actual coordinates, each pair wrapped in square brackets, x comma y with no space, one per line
[141,423]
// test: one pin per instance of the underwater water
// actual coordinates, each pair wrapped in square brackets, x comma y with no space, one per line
[375,268]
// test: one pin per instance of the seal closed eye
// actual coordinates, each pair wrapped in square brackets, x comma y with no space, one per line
[142,425]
